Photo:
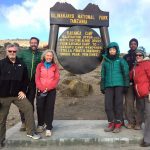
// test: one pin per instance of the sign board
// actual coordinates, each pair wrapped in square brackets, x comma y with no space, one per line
[66,15]
[78,49]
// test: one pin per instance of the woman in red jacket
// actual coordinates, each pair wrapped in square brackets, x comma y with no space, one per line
[46,78]
[141,77]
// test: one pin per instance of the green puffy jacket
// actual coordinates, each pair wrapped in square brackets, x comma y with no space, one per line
[31,60]
[114,72]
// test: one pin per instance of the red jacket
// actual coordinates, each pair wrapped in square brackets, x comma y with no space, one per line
[46,78]
[141,76]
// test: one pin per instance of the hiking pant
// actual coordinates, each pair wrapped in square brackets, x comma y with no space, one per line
[30,96]
[147,121]
[24,105]
[114,104]
[132,114]
[45,109]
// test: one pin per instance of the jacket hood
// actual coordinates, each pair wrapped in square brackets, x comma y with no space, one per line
[112,44]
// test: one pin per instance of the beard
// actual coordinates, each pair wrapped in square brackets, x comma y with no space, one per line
[34,47]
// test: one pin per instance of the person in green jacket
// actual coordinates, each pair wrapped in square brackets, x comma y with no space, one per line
[114,83]
[30,57]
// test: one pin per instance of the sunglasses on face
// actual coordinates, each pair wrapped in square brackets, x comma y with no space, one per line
[12,51]
[140,55]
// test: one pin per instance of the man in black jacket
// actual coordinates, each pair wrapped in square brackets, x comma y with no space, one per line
[13,87]
[134,118]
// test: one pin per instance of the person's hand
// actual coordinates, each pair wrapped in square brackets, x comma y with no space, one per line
[45,90]
[125,90]
[103,91]
[21,95]
[149,97]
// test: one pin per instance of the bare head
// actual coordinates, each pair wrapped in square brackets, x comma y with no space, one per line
[48,55]
[34,43]
[11,50]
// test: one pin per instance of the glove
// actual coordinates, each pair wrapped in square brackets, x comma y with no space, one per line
[125,90]
[103,91]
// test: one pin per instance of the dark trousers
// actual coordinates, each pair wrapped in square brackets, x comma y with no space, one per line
[147,121]
[30,96]
[133,114]
[45,109]
[114,104]
[24,105]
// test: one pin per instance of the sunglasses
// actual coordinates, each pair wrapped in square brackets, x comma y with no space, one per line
[12,51]
[140,55]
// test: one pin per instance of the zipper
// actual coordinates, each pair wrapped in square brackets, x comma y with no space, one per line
[136,84]
[11,88]
[32,66]
[137,90]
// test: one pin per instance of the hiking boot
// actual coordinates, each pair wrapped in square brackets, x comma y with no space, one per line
[34,136]
[137,127]
[23,127]
[117,128]
[40,129]
[110,127]
[48,133]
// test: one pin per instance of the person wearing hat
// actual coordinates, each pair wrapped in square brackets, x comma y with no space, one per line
[130,120]
[140,74]
[114,82]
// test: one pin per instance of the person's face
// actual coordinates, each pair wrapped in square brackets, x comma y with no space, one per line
[11,53]
[112,51]
[49,57]
[34,44]
[133,45]
[139,57]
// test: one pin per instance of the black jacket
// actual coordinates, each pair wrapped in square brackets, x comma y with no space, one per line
[13,78]
[130,58]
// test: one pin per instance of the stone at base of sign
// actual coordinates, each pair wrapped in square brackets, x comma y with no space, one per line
[76,88]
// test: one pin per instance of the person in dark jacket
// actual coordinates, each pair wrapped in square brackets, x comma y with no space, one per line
[141,76]
[132,114]
[114,81]
[31,57]
[13,85]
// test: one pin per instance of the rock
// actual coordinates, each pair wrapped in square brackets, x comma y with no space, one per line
[73,103]
[76,88]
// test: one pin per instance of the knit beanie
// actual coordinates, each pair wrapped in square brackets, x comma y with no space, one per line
[141,50]
[133,40]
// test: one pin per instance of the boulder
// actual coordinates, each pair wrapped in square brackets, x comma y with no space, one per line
[76,88]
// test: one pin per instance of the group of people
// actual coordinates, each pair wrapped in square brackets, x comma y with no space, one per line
[24,75]
[126,82]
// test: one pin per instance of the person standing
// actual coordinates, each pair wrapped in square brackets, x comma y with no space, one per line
[31,57]
[13,85]
[132,114]
[46,78]
[114,81]
[140,74]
